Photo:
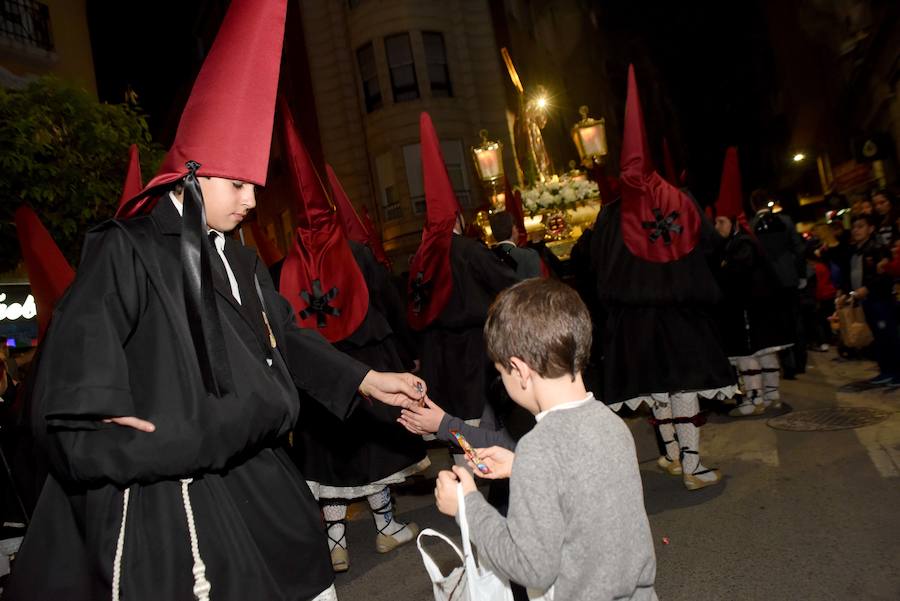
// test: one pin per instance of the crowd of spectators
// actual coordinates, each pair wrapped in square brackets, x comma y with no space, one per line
[860,267]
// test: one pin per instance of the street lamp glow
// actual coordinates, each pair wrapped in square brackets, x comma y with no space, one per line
[799,157]
[542,102]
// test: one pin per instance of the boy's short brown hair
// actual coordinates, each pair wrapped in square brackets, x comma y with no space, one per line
[544,323]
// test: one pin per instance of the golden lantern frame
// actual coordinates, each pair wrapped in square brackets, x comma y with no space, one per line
[589,136]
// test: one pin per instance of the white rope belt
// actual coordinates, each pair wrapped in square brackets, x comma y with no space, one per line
[120,546]
[201,584]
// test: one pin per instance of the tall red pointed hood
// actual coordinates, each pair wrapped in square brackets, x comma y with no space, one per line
[513,201]
[268,251]
[48,271]
[376,244]
[731,199]
[430,278]
[320,277]
[357,228]
[659,222]
[353,226]
[133,184]
[226,125]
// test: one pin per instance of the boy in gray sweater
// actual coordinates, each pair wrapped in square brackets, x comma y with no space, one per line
[576,524]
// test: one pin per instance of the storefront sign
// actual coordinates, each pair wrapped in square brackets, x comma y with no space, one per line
[16,311]
[18,315]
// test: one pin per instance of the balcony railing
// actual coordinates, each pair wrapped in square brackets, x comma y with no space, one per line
[393,211]
[26,22]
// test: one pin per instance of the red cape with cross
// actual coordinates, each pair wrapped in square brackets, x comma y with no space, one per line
[320,277]
[660,223]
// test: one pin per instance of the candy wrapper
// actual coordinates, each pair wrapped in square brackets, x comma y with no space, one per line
[470,452]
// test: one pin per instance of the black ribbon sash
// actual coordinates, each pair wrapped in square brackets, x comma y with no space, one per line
[663,226]
[421,292]
[318,303]
[199,293]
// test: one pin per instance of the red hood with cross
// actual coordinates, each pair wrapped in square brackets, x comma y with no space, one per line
[320,277]
[660,223]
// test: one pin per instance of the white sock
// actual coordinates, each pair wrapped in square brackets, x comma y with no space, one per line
[752,399]
[383,513]
[750,372]
[686,405]
[663,411]
[335,522]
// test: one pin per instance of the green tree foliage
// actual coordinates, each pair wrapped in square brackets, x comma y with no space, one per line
[65,154]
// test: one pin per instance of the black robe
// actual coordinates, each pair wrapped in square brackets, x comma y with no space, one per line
[660,334]
[585,283]
[369,445]
[119,346]
[753,315]
[454,359]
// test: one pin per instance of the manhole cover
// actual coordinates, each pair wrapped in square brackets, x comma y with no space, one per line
[832,418]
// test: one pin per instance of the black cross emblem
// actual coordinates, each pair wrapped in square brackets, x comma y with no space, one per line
[663,226]
[421,292]
[318,303]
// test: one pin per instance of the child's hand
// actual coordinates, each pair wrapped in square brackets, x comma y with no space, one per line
[445,489]
[465,477]
[422,420]
[445,493]
[498,460]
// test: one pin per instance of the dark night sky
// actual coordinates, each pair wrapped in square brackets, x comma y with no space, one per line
[707,80]
[706,70]
[154,47]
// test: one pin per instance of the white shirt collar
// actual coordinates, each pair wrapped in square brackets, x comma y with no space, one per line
[177,204]
[180,207]
[510,242]
[569,405]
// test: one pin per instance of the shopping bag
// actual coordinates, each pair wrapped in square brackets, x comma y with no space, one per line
[470,582]
[855,332]
[453,586]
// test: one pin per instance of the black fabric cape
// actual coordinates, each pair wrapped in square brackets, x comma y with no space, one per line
[454,359]
[660,334]
[753,314]
[369,445]
[585,283]
[119,346]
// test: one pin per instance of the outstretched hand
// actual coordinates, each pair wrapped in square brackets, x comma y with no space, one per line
[400,390]
[137,423]
[497,459]
[424,419]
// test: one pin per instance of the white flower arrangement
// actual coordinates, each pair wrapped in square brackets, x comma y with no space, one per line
[558,193]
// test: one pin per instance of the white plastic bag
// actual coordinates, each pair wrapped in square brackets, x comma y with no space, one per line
[470,582]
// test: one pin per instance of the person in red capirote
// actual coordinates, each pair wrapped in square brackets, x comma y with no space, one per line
[752,318]
[661,343]
[168,378]
[337,288]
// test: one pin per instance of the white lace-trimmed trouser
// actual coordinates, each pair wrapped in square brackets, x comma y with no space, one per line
[328,594]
